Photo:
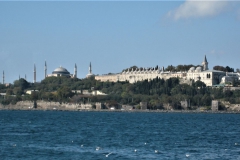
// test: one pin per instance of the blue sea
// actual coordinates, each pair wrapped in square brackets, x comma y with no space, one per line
[118,135]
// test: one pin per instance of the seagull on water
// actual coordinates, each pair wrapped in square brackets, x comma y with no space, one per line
[108,154]
[156,151]
[187,155]
[98,148]
[135,150]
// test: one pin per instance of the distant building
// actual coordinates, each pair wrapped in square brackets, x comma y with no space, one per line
[230,78]
[31,91]
[202,73]
[60,72]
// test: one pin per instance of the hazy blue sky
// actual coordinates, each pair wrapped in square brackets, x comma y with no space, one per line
[116,35]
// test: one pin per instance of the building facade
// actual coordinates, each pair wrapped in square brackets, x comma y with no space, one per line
[202,73]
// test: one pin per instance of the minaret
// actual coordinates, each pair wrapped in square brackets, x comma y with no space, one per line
[205,63]
[90,69]
[45,70]
[34,74]
[3,78]
[75,71]
[25,77]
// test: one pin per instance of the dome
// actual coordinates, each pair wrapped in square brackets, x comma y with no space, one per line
[60,70]
[90,75]
[191,69]
[199,69]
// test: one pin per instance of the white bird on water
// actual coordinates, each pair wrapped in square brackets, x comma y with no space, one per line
[135,150]
[187,155]
[82,145]
[98,148]
[156,151]
[108,154]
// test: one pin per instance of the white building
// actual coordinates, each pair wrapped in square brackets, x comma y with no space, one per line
[134,76]
[202,73]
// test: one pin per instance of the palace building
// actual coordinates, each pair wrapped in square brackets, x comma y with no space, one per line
[202,73]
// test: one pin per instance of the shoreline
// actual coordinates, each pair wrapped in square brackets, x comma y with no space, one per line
[124,111]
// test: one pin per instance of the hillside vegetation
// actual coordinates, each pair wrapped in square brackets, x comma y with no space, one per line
[156,92]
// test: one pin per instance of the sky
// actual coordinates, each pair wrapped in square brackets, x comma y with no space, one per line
[114,35]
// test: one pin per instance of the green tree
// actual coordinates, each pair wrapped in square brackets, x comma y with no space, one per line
[22,83]
[64,93]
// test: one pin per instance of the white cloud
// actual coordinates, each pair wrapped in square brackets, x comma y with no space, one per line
[214,52]
[195,9]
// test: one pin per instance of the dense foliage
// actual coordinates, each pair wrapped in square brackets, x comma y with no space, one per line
[169,68]
[179,68]
[224,69]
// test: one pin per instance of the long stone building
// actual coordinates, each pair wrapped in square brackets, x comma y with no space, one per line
[202,73]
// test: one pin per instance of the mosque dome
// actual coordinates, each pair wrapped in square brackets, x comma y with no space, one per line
[61,70]
[199,69]
[90,75]
[191,69]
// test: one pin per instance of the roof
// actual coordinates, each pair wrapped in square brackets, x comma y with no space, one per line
[213,71]
[60,70]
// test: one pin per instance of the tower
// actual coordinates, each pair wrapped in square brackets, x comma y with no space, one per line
[90,69]
[75,71]
[205,63]
[3,78]
[25,77]
[45,70]
[34,74]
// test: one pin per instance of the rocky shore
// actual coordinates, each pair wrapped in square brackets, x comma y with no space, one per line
[56,106]
[117,110]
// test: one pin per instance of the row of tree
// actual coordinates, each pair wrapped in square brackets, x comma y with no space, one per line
[224,69]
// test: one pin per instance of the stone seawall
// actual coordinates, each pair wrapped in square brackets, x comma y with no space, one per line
[44,105]
[41,105]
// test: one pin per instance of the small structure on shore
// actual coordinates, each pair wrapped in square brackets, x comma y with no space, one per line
[214,105]
[143,105]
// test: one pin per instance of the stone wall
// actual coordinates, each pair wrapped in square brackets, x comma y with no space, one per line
[44,105]
[214,105]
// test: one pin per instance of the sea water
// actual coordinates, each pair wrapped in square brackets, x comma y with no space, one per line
[118,135]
